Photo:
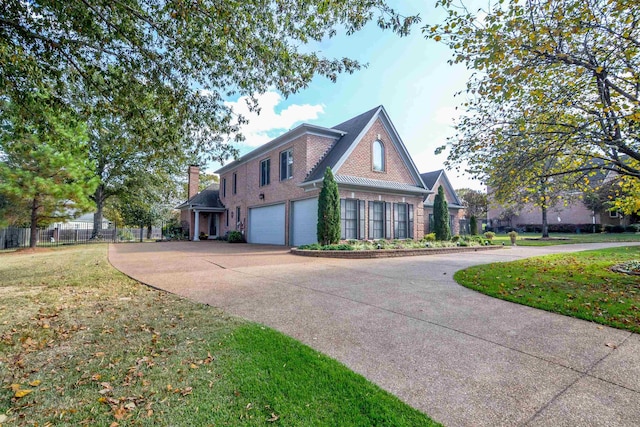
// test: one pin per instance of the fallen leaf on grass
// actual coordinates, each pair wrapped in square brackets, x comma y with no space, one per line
[273,418]
[35,383]
[119,412]
[22,393]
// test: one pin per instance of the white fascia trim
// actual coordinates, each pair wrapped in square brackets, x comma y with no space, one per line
[281,141]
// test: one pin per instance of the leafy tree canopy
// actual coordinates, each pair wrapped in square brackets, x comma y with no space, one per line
[150,78]
[554,79]
[185,56]
[474,201]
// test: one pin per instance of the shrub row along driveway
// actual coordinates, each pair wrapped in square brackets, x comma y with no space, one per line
[460,356]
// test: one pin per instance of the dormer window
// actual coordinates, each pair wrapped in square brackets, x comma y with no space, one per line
[378,156]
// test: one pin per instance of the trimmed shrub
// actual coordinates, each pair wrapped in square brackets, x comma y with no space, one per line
[339,247]
[441,216]
[614,228]
[473,225]
[633,228]
[431,237]
[328,229]
[311,247]
[489,235]
[235,237]
[455,238]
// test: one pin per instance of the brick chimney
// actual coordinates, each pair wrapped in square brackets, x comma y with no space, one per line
[194,180]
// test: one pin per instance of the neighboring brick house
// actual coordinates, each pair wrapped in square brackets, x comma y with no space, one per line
[433,180]
[569,213]
[271,193]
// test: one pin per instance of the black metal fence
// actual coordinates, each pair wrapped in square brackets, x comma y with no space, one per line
[75,234]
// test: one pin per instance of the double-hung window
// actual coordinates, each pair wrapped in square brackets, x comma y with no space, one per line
[265,172]
[224,187]
[402,221]
[352,223]
[234,183]
[286,165]
[376,220]
[351,219]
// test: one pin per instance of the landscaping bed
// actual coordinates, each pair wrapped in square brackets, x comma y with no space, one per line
[388,253]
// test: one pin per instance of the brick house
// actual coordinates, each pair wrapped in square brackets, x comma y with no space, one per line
[568,214]
[271,193]
[457,220]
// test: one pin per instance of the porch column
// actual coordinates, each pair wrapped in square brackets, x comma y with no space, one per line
[196,227]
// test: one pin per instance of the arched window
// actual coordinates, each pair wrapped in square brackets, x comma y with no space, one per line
[378,156]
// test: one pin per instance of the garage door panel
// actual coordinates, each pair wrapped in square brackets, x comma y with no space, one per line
[304,222]
[266,225]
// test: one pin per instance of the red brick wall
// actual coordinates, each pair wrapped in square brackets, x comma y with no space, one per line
[249,190]
[360,163]
[308,150]
[194,181]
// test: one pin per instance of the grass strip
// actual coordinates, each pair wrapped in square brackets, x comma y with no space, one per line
[82,344]
[579,284]
[527,239]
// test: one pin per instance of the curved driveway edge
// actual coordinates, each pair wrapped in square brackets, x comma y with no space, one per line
[464,358]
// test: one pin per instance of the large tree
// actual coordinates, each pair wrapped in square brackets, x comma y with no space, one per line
[151,77]
[44,168]
[564,71]
[474,202]
[187,57]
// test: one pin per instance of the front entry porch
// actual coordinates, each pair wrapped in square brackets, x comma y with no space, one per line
[206,223]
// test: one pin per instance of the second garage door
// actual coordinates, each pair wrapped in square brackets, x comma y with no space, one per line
[304,223]
[266,225]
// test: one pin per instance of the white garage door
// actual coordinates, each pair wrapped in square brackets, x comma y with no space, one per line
[304,222]
[266,225]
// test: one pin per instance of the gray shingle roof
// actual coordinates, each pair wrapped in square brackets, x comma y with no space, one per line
[352,128]
[430,178]
[208,198]
[376,183]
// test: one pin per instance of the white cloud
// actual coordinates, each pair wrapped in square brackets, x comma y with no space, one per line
[261,127]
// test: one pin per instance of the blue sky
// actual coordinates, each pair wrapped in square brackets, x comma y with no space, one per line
[410,76]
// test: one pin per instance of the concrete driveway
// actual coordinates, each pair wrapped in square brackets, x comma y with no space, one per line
[463,358]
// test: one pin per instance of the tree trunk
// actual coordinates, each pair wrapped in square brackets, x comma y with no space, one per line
[149,231]
[33,239]
[545,223]
[98,197]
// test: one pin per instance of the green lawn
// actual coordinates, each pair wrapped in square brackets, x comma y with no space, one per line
[81,344]
[578,285]
[568,238]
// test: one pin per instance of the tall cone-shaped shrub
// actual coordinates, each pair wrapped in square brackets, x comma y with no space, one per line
[441,216]
[329,210]
[473,225]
